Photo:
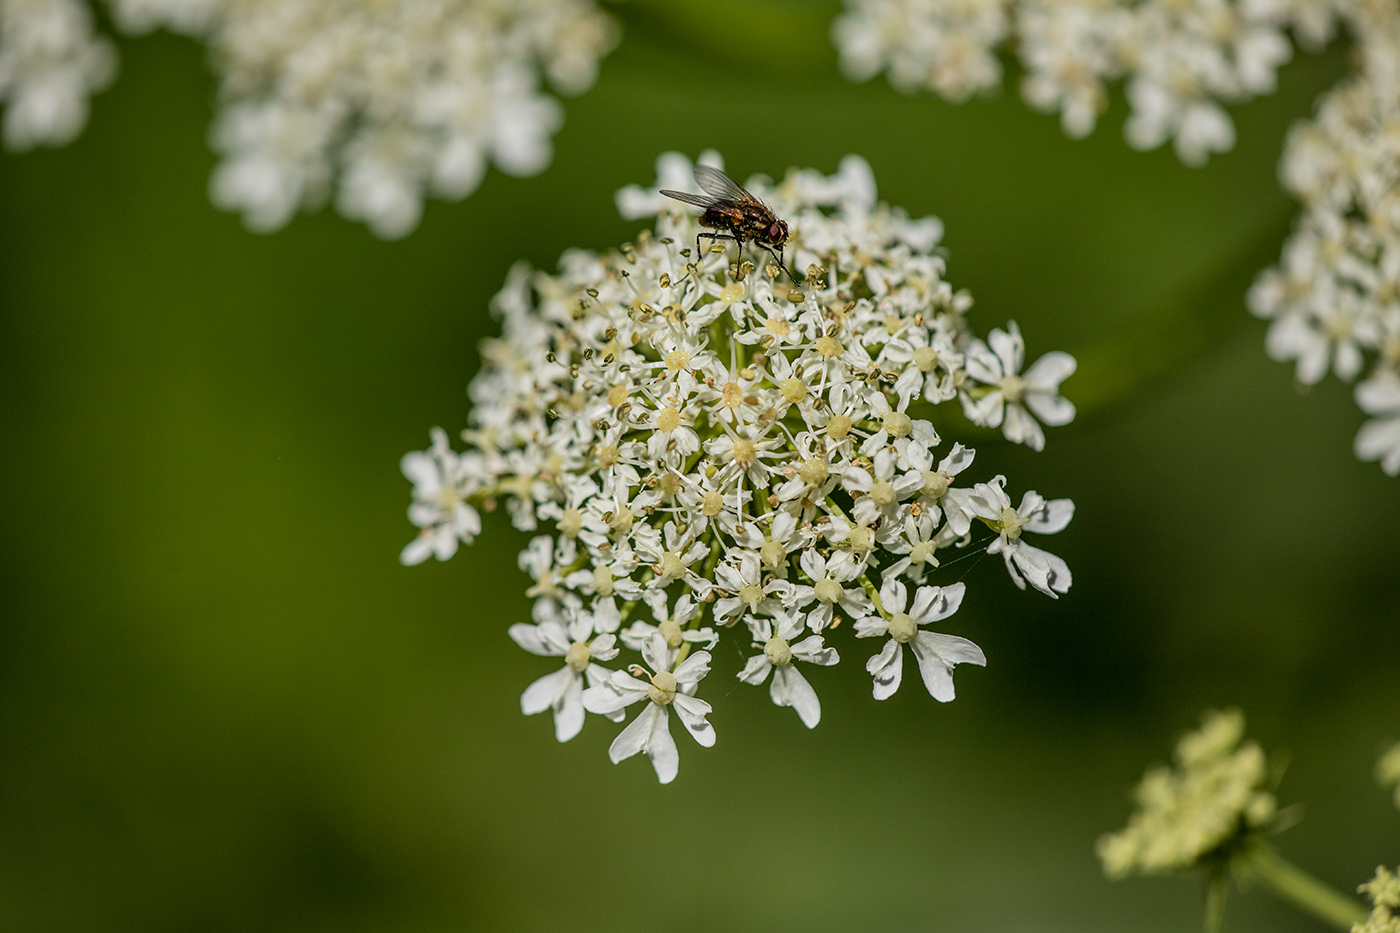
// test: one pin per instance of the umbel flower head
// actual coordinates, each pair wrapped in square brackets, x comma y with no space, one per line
[704,450]
[1384,893]
[1214,798]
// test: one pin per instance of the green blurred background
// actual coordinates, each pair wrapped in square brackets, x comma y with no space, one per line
[225,706]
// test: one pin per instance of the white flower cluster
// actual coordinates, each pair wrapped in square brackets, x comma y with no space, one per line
[1334,299]
[1180,59]
[1383,890]
[51,62]
[704,447]
[1214,797]
[381,104]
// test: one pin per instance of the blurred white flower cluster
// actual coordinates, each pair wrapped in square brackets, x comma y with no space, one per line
[379,104]
[1179,59]
[704,448]
[51,62]
[1383,890]
[1334,299]
[1215,796]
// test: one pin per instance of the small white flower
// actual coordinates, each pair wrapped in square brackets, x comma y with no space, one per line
[936,654]
[780,651]
[1008,400]
[1025,563]
[1379,438]
[829,587]
[650,732]
[442,482]
[562,691]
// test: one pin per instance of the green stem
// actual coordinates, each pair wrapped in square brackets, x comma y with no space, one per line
[1301,889]
[1217,887]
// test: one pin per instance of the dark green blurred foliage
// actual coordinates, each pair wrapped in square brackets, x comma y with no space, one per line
[225,706]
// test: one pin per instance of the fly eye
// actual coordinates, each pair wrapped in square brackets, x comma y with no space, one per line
[776,232]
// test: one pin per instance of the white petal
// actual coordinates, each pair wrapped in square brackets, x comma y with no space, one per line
[654,652]
[568,709]
[790,688]
[1050,370]
[530,638]
[1052,518]
[637,734]
[756,670]
[693,669]
[887,668]
[1021,428]
[692,713]
[943,603]
[541,694]
[810,650]
[937,654]
[1054,410]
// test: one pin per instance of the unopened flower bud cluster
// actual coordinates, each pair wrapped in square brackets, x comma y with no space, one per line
[705,450]
[1384,893]
[1215,795]
[1334,298]
[378,105]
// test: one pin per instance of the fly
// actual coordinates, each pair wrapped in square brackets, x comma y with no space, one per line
[728,207]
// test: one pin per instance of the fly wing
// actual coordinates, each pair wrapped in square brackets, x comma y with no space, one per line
[720,185]
[704,202]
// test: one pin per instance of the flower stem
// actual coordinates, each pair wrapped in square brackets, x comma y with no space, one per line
[1217,887]
[1301,889]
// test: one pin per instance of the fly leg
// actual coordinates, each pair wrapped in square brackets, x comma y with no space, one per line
[717,236]
[781,265]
